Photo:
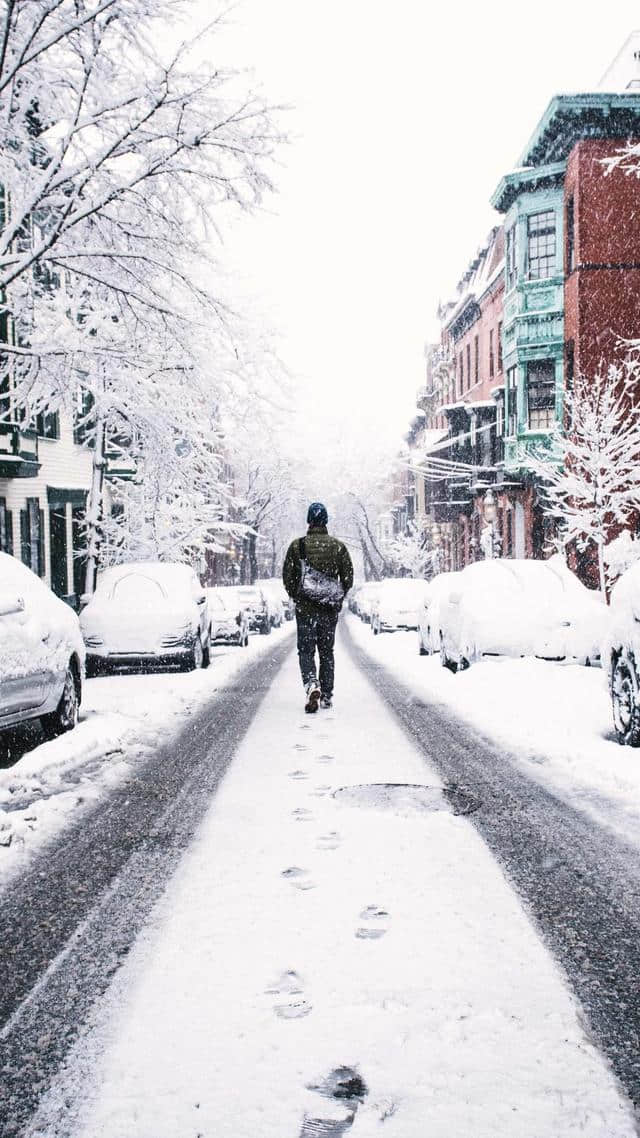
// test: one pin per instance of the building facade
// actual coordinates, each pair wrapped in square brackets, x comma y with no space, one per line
[553,294]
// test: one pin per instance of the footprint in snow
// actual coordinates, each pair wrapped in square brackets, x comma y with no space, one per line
[321,790]
[300,747]
[298,774]
[299,878]
[329,841]
[290,1002]
[345,1090]
[325,758]
[301,814]
[375,923]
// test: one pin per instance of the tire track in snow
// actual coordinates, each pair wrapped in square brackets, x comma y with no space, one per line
[579,883]
[67,922]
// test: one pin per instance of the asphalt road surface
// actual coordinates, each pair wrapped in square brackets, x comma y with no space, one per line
[66,925]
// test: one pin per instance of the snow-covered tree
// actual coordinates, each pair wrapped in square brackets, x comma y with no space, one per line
[118,161]
[410,554]
[593,491]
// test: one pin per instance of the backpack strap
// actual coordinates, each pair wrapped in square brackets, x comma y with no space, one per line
[302,547]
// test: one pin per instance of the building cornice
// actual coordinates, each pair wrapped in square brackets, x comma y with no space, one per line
[526,180]
[569,118]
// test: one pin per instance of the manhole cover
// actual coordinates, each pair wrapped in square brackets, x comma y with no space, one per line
[408,798]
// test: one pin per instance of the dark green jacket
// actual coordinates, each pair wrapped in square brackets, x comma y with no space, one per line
[324,553]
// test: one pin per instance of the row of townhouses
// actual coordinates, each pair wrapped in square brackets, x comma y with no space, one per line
[550,295]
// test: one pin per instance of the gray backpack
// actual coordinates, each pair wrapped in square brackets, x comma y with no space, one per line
[316,586]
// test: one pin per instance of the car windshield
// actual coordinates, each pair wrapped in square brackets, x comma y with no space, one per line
[135,587]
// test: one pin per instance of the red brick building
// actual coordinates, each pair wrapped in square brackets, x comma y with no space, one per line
[602,258]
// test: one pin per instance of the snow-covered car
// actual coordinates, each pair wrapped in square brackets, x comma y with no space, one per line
[254,602]
[147,614]
[395,604]
[42,655]
[364,600]
[228,620]
[621,656]
[429,613]
[520,607]
[273,590]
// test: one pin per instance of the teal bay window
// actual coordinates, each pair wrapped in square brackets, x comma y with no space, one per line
[541,395]
[541,244]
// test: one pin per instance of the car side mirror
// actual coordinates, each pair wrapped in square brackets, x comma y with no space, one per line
[10,604]
[201,600]
[239,619]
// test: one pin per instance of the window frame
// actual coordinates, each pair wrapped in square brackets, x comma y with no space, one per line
[546,250]
[545,413]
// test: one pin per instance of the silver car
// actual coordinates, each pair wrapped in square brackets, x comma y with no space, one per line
[42,655]
[229,621]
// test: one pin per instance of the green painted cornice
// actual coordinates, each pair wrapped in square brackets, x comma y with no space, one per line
[525,180]
[569,118]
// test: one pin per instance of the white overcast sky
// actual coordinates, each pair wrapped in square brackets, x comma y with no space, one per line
[404,117]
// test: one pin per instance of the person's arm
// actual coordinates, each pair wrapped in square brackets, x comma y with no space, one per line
[291,570]
[346,569]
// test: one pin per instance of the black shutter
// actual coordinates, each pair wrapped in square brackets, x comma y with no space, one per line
[9,531]
[41,565]
[25,540]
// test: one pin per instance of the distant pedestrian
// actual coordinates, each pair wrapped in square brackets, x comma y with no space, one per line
[317,574]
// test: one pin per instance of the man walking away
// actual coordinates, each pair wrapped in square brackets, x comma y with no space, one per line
[317,574]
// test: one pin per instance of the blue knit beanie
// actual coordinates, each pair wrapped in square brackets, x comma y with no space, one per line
[317,514]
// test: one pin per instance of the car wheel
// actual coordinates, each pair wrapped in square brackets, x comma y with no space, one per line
[444,659]
[624,695]
[206,654]
[265,628]
[421,648]
[196,656]
[65,716]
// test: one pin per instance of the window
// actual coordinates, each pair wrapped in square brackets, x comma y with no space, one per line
[508,548]
[6,528]
[571,237]
[476,359]
[541,394]
[468,366]
[569,364]
[461,387]
[499,419]
[499,347]
[512,402]
[83,418]
[32,536]
[541,246]
[510,257]
[48,425]
[492,362]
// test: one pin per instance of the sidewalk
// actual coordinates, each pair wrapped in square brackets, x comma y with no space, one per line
[303,935]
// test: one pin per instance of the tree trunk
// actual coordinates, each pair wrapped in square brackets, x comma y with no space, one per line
[95,507]
[602,577]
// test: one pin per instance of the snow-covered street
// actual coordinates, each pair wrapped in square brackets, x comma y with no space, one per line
[124,718]
[323,961]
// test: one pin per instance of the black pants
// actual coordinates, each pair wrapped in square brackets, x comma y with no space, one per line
[317,629]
